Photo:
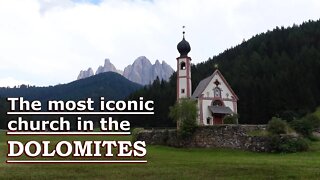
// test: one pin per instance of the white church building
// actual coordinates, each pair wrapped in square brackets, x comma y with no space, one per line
[214,96]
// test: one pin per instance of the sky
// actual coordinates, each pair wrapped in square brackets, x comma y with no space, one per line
[47,42]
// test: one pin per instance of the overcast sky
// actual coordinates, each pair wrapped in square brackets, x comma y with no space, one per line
[46,42]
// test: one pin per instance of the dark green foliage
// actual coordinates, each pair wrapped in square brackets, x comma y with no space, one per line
[288,144]
[317,112]
[3,110]
[306,125]
[164,95]
[109,85]
[230,119]
[184,113]
[274,74]
[302,126]
[289,115]
[277,126]
[280,141]
[314,121]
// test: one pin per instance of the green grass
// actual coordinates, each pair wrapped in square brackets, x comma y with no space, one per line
[258,133]
[172,163]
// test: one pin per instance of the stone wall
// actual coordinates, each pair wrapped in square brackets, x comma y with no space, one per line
[222,136]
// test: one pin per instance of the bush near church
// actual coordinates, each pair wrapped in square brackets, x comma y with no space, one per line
[184,112]
[306,125]
[281,140]
[231,119]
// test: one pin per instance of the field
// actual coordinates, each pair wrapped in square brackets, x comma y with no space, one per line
[172,163]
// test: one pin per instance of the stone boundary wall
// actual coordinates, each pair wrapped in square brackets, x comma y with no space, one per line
[218,136]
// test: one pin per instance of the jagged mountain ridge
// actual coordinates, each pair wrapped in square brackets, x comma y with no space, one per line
[142,71]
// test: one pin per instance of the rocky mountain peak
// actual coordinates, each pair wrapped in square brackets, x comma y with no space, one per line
[85,73]
[108,66]
[141,71]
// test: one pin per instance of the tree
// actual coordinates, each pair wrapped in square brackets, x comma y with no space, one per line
[184,112]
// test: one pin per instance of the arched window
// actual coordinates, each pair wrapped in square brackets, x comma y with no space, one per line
[182,65]
[217,103]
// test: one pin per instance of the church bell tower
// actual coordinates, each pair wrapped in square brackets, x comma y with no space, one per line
[183,70]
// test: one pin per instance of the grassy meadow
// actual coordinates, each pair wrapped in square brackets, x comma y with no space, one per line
[171,163]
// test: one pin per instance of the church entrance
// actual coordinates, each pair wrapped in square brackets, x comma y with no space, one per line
[218,111]
[218,118]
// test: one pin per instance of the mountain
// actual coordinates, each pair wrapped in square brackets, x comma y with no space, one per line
[108,66]
[85,73]
[109,85]
[141,71]
[275,73]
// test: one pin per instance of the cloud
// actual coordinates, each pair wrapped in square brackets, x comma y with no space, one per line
[48,42]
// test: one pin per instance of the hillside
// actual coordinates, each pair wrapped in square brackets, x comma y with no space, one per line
[109,85]
[274,74]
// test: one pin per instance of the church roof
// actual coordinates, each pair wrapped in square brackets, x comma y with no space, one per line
[204,83]
[220,110]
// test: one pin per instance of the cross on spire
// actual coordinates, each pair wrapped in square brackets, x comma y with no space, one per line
[183,32]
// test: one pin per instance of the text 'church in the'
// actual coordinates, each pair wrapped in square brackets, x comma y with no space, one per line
[214,96]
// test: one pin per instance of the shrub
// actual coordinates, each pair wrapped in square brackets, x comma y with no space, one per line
[289,115]
[294,145]
[314,120]
[280,142]
[288,144]
[302,126]
[230,119]
[135,133]
[277,126]
[317,112]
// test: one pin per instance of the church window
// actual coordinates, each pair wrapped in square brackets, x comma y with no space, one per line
[217,83]
[182,65]
[217,103]
[208,120]
[217,92]
[182,91]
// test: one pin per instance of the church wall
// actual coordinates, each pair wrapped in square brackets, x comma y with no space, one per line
[223,136]
[224,89]
[230,105]
[206,111]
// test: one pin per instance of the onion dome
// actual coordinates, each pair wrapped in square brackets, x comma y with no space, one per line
[183,47]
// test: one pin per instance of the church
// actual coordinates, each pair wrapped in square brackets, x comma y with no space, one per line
[214,96]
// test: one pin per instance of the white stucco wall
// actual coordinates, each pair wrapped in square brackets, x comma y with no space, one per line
[182,85]
[224,89]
